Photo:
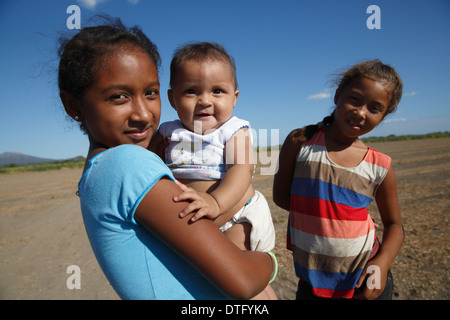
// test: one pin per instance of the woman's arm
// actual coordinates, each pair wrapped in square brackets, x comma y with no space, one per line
[239,274]
[286,164]
[387,202]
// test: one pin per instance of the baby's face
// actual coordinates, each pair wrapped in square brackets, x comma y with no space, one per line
[204,95]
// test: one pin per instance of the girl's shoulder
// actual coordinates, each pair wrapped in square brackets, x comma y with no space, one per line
[127,158]
[301,135]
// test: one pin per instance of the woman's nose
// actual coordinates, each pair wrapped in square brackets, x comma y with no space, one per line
[140,111]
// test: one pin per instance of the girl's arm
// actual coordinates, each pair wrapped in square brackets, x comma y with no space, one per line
[286,165]
[233,186]
[387,202]
[239,274]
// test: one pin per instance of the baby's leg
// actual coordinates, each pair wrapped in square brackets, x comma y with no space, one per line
[239,234]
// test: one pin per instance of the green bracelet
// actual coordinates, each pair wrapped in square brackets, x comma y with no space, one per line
[275,262]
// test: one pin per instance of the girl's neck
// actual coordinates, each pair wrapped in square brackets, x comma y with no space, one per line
[94,149]
[344,151]
[335,139]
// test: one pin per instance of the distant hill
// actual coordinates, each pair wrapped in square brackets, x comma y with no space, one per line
[16,158]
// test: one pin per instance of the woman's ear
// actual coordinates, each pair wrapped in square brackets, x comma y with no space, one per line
[171,97]
[336,98]
[71,105]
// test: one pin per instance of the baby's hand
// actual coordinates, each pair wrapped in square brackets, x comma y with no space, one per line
[203,203]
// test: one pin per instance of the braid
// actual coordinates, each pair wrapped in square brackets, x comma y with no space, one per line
[306,133]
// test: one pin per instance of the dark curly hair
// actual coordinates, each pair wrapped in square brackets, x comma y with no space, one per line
[84,54]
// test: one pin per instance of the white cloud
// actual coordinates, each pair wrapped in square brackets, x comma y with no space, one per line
[395,120]
[319,96]
[410,94]
[90,4]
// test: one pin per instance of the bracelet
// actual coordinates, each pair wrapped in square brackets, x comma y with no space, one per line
[275,262]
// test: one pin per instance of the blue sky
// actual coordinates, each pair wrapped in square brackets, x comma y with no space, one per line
[286,52]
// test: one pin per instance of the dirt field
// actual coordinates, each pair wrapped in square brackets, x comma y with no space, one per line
[42,234]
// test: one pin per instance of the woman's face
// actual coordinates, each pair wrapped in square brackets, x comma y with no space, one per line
[123,105]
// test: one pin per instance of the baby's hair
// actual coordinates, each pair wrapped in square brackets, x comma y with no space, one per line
[200,51]
[82,55]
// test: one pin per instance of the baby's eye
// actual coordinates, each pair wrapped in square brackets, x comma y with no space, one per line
[190,91]
[218,91]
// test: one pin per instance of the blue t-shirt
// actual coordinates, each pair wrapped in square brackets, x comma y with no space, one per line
[137,264]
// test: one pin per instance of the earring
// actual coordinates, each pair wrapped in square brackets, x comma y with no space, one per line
[77,118]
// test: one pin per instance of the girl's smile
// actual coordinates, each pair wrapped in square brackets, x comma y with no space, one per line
[122,106]
[360,107]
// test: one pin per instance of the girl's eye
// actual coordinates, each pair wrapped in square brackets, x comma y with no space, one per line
[152,93]
[376,109]
[118,97]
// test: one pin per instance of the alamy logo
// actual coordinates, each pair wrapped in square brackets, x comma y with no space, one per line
[187,150]
[74,280]
[74,20]
[374,21]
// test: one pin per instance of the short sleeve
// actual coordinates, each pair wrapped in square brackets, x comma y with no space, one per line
[232,126]
[166,128]
[118,179]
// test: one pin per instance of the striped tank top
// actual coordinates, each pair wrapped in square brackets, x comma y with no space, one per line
[330,231]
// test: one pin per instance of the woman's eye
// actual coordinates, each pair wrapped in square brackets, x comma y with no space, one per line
[152,93]
[118,97]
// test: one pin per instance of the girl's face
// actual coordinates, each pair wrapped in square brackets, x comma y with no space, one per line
[204,93]
[123,106]
[361,107]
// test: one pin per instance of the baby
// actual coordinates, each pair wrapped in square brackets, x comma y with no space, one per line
[210,151]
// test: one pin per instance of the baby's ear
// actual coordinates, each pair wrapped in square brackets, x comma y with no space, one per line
[71,105]
[171,97]
[236,95]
